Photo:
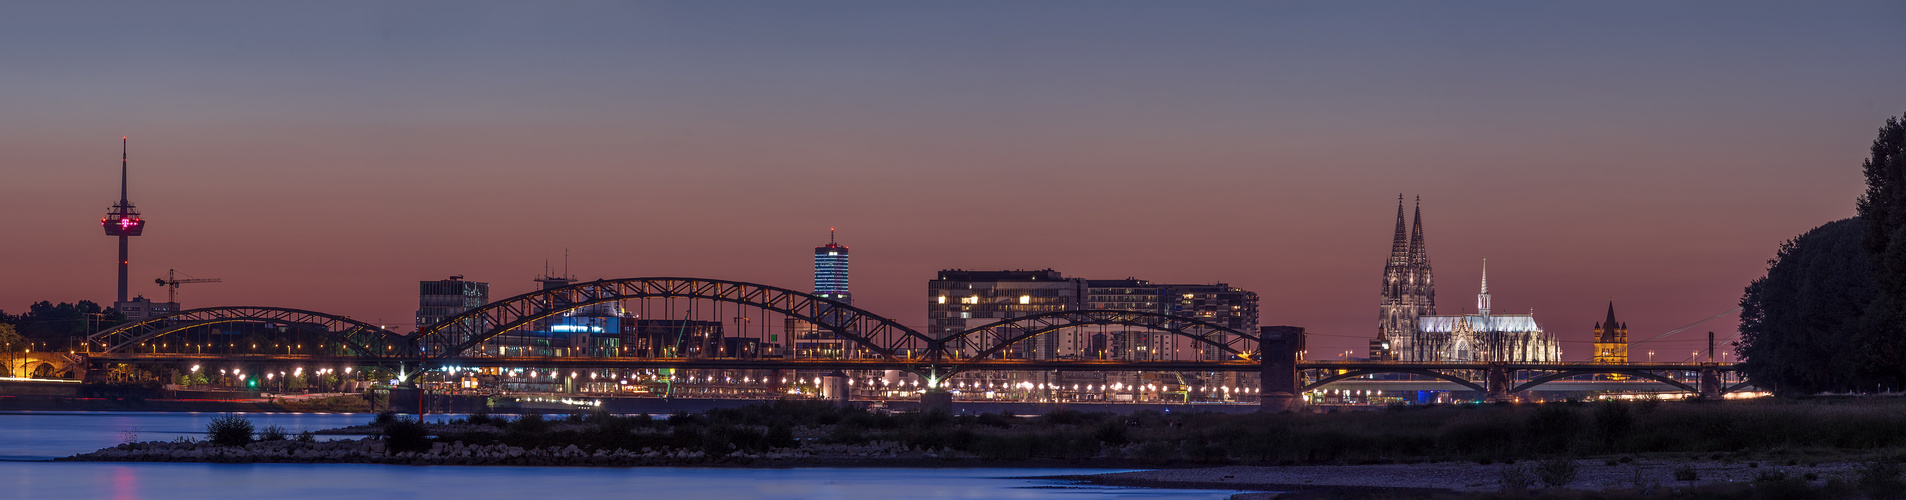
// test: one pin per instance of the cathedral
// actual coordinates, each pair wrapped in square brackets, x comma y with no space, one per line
[1408,328]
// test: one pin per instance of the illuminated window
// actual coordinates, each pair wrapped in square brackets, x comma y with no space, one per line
[942,299]
[1025,299]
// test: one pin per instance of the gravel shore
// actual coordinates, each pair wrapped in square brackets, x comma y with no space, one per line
[1592,475]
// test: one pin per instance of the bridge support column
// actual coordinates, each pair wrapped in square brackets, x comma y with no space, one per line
[1278,348]
[936,399]
[1710,381]
[1498,382]
[834,388]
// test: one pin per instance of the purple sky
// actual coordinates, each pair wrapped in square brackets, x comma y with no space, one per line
[328,156]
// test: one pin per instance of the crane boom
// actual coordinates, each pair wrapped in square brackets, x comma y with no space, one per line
[171,281]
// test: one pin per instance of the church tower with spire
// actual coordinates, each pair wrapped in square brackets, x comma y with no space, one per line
[1409,291]
[1611,339]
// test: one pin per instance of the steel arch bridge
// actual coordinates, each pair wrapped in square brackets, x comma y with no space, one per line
[873,334]
[986,341]
[335,335]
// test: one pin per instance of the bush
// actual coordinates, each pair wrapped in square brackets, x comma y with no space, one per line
[272,433]
[402,435]
[1687,474]
[781,436]
[1556,473]
[1880,479]
[384,418]
[307,437]
[1516,479]
[229,430]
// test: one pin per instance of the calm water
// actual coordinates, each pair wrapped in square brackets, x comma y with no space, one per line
[26,438]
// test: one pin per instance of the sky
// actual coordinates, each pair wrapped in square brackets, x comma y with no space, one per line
[329,156]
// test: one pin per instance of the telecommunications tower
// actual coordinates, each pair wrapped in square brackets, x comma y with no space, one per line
[123,221]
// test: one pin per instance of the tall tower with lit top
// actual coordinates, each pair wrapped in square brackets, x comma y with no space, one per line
[123,220]
[830,271]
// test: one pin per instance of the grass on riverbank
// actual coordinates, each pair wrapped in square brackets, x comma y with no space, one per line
[335,404]
[1778,431]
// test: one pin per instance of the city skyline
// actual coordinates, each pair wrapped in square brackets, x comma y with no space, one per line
[393,152]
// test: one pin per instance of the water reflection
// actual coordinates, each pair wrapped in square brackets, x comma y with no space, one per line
[41,435]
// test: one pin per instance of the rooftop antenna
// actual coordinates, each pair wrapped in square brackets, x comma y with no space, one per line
[830,236]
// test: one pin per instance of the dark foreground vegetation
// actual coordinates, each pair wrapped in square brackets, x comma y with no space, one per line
[1764,430]
[1773,448]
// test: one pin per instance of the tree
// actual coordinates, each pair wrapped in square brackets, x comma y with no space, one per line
[54,323]
[1828,315]
[10,342]
[1882,340]
[1798,322]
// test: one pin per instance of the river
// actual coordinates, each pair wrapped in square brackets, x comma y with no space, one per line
[29,439]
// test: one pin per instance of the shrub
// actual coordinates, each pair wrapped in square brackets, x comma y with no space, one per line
[272,433]
[1686,473]
[1880,479]
[1612,420]
[384,418]
[229,430]
[402,435]
[1516,479]
[530,424]
[481,417]
[1156,451]
[1112,433]
[1556,473]
[781,436]
[307,437]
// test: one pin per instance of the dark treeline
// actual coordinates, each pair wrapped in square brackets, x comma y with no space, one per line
[1828,315]
[53,324]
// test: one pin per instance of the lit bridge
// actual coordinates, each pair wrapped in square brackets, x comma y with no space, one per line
[720,326]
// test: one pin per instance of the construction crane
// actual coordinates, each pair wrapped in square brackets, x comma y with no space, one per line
[171,281]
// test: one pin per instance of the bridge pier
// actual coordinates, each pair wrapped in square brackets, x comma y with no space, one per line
[1496,379]
[834,388]
[1710,381]
[936,399]
[1278,348]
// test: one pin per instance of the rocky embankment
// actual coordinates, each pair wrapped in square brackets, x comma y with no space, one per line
[456,453]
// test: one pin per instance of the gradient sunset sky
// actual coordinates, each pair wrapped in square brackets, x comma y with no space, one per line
[329,155]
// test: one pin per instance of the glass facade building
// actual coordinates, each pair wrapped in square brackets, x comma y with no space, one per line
[830,271]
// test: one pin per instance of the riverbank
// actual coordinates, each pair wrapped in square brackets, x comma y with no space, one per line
[324,403]
[1444,450]
[1640,478]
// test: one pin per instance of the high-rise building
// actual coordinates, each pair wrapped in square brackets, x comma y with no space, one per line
[441,299]
[830,271]
[807,339]
[1611,339]
[958,300]
[1219,303]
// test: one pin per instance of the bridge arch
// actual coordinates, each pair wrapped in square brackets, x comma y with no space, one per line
[1408,371]
[1594,371]
[351,337]
[456,335]
[998,336]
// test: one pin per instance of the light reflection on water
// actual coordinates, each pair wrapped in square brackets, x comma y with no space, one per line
[42,435]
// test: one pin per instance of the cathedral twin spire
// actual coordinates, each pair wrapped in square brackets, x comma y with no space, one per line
[1409,289]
